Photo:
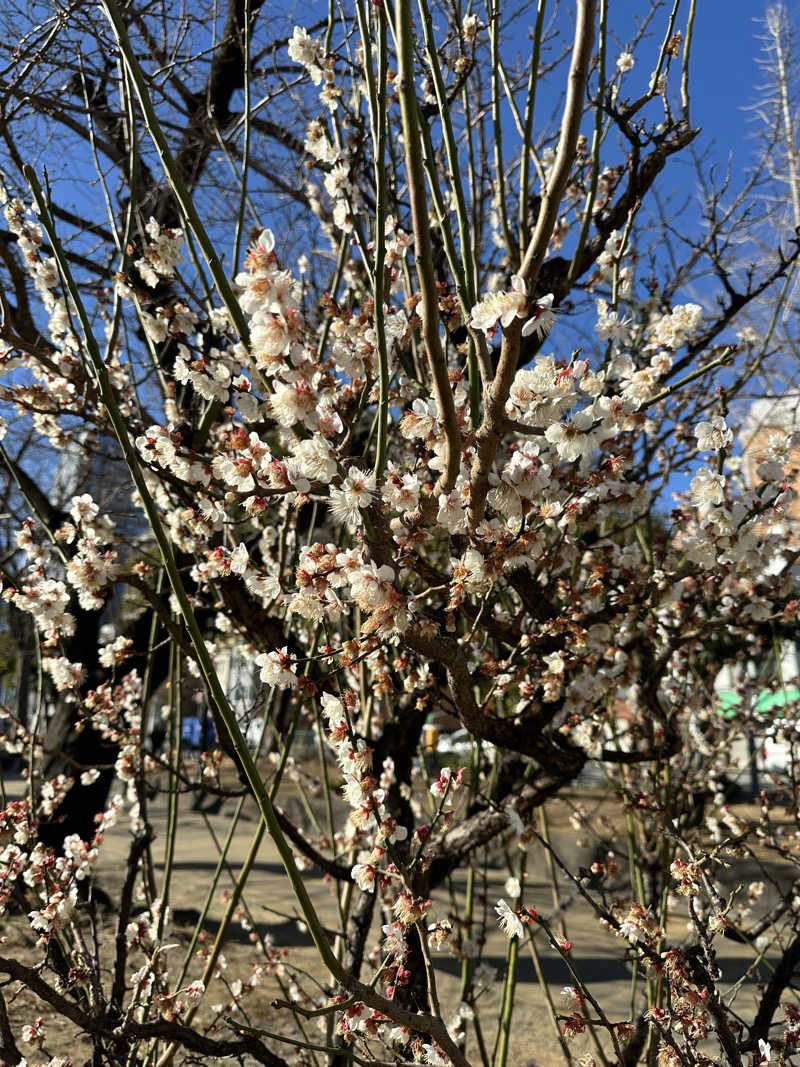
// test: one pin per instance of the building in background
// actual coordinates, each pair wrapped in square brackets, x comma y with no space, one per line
[778,705]
[767,417]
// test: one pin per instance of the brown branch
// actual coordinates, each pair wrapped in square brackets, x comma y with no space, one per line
[161,609]
[138,846]
[331,867]
[567,142]
[553,277]
[735,303]
[54,109]
[9,1053]
[359,923]
[279,133]
[518,733]
[429,306]
[20,280]
[45,511]
[103,1026]
[781,978]
[701,970]
[454,846]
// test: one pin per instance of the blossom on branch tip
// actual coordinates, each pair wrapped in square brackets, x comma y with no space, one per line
[307,52]
[363,875]
[713,435]
[543,318]
[276,669]
[504,307]
[508,920]
[707,489]
[356,493]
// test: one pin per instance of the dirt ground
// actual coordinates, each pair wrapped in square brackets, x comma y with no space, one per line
[533,1042]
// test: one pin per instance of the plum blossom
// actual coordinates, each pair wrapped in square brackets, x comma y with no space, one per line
[276,669]
[446,785]
[161,254]
[508,920]
[307,52]
[611,325]
[504,307]
[470,25]
[670,331]
[543,318]
[363,875]
[371,586]
[400,490]
[315,459]
[707,489]
[713,435]
[34,1034]
[451,514]
[577,437]
[433,1054]
[355,494]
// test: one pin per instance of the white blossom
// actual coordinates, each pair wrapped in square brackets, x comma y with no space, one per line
[504,307]
[508,920]
[713,435]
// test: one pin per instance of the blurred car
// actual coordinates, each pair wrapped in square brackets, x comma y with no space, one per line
[781,747]
[459,743]
[197,734]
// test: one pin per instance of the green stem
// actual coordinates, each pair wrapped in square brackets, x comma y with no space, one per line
[376,95]
[173,779]
[182,195]
[469,904]
[511,980]
[429,305]
[465,276]
[687,51]
[527,137]
[246,142]
[662,54]
[718,362]
[537,966]
[493,16]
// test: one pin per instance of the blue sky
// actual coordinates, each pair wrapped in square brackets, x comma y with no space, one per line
[725,74]
[724,68]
